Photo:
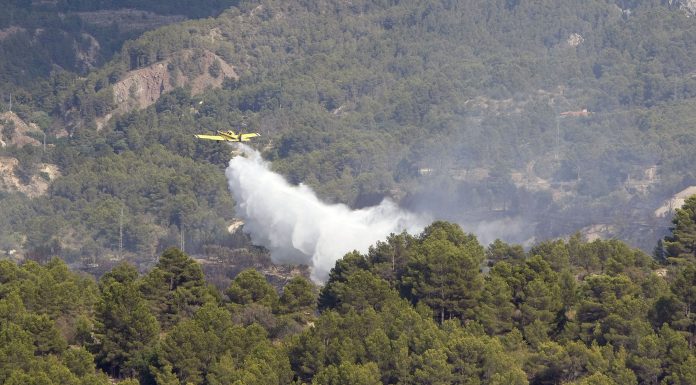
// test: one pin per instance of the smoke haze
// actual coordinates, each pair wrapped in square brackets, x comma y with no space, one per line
[299,228]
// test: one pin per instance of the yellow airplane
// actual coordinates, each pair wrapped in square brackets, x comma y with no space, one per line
[229,136]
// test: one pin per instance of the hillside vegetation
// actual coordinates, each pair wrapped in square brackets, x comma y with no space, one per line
[475,106]
[415,309]
[44,41]
[554,114]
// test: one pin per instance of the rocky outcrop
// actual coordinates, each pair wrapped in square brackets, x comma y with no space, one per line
[675,202]
[143,87]
[688,6]
[38,184]
[575,39]
[14,131]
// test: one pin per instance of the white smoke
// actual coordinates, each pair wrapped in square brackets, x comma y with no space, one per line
[514,230]
[299,228]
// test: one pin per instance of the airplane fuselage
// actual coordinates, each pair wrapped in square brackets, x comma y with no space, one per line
[228,136]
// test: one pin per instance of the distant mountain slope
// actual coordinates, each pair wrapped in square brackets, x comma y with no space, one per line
[541,117]
[38,38]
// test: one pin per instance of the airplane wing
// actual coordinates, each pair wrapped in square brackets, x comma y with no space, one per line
[247,137]
[211,137]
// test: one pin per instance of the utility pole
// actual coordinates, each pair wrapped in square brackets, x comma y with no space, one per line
[10,101]
[44,150]
[120,233]
[558,135]
[183,234]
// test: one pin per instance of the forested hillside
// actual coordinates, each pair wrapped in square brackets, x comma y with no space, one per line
[523,120]
[415,309]
[478,106]
[44,41]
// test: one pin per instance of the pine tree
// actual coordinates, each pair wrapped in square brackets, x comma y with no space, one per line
[680,247]
[444,271]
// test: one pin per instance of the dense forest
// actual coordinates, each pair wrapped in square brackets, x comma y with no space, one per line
[414,309]
[476,106]
[522,120]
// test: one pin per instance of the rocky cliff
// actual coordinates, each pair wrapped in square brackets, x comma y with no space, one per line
[15,131]
[36,187]
[198,69]
[688,6]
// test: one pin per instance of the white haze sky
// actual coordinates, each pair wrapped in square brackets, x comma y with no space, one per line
[297,227]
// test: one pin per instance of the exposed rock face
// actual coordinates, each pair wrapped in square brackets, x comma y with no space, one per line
[675,202]
[688,6]
[143,87]
[235,225]
[19,135]
[575,39]
[38,185]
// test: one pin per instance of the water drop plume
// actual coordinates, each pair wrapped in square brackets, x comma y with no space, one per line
[297,227]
